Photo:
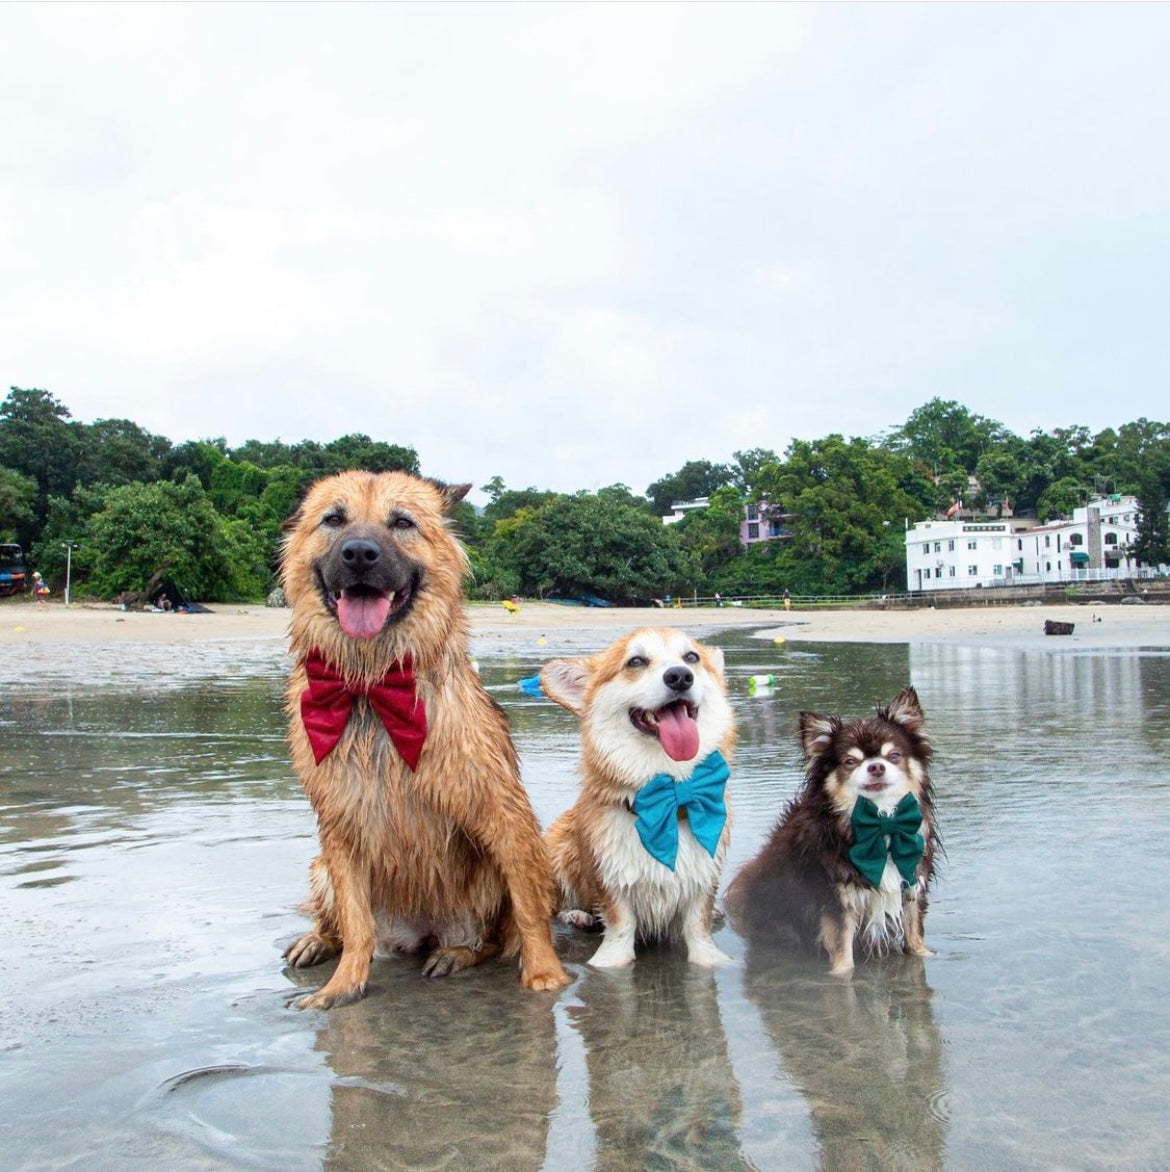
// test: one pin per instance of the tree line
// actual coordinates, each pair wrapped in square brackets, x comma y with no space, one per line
[132,506]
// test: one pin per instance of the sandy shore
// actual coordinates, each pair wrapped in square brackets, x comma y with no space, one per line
[1019,627]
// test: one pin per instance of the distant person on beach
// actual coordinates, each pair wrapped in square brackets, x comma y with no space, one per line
[787,600]
[40,589]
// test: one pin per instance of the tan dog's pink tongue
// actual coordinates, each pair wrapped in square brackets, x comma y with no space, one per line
[362,616]
[678,734]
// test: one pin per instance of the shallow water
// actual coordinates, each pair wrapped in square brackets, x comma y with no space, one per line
[154,844]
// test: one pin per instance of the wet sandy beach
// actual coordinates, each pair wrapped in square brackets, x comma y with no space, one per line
[154,846]
[1000,626]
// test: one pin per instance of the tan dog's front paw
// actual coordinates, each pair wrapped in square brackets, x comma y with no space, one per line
[443,962]
[545,977]
[329,997]
[311,949]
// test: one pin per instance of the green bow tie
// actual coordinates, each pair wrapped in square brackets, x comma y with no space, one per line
[872,829]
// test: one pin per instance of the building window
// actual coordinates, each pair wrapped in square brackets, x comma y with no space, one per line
[972,571]
[951,571]
[926,547]
[972,544]
[938,547]
[753,512]
[1047,540]
[997,571]
[1047,567]
[950,547]
[753,531]
[1076,539]
[1110,538]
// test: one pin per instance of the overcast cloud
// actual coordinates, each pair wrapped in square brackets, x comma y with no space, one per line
[574,245]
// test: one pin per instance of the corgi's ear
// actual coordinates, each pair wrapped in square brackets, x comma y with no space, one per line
[816,733]
[565,681]
[715,657]
[905,710]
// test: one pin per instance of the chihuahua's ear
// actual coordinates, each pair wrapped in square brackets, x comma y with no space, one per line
[905,710]
[565,681]
[817,733]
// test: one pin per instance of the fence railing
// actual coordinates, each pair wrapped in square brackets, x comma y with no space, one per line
[777,602]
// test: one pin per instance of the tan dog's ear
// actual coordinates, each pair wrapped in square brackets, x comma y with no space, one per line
[452,494]
[290,523]
[816,733]
[565,681]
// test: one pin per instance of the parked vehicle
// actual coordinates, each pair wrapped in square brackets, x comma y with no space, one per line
[13,576]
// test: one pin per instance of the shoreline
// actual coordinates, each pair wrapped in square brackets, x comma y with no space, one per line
[1097,626]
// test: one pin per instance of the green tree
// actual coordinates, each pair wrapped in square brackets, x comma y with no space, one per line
[506,502]
[236,483]
[711,535]
[750,468]
[174,528]
[1061,498]
[696,478]
[847,503]
[1151,546]
[68,521]
[359,451]
[38,441]
[201,457]
[944,436]
[117,451]
[18,504]
[591,544]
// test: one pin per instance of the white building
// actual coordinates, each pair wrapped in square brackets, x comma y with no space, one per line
[962,555]
[681,508]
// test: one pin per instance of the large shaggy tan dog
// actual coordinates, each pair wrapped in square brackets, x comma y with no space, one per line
[427,837]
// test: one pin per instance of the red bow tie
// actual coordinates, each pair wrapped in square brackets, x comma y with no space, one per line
[328,700]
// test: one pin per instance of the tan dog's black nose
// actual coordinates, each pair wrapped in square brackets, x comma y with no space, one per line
[359,554]
[678,679]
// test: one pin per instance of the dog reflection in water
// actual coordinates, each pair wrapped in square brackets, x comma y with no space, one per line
[661,1092]
[865,1055]
[452,1074]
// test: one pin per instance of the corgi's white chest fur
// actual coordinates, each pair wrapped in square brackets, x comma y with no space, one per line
[655,894]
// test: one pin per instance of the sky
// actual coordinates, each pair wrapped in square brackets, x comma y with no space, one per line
[575,245]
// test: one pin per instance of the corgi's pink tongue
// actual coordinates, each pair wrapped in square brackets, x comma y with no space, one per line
[678,734]
[362,616]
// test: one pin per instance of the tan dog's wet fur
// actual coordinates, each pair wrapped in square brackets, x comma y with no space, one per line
[448,857]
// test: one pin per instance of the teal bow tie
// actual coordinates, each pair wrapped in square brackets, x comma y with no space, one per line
[658,802]
[871,829]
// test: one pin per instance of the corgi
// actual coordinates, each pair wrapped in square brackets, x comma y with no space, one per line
[642,849]
[849,865]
